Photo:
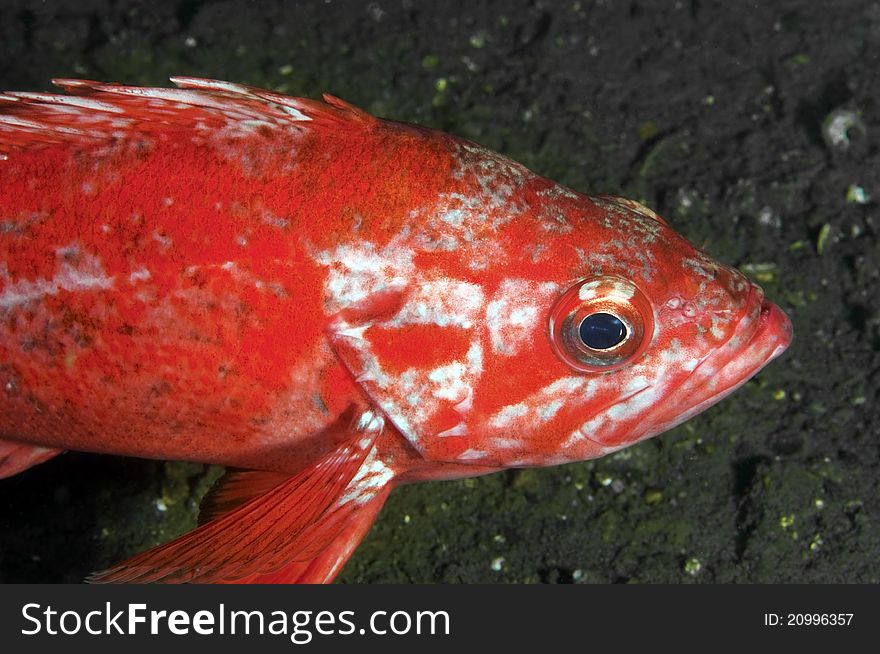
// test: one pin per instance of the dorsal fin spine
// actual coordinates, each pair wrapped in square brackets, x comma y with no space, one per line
[35,119]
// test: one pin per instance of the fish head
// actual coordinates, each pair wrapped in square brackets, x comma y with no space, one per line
[638,332]
[651,332]
[548,326]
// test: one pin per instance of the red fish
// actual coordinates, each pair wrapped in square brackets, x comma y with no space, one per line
[333,304]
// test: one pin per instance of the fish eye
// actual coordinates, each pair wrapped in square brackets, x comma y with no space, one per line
[600,324]
[602,331]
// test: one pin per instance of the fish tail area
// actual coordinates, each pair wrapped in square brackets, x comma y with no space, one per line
[18,457]
[301,530]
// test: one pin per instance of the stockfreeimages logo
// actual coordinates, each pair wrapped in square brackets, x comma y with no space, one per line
[300,626]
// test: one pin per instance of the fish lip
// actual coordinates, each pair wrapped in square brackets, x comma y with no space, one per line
[772,318]
[770,325]
[742,356]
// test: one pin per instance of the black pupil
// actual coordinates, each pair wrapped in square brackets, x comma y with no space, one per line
[601,331]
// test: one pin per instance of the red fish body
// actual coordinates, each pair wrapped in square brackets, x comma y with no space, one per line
[335,303]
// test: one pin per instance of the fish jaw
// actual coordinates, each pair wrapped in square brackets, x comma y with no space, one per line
[762,334]
[732,366]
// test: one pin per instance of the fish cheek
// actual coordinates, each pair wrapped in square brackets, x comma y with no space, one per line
[511,381]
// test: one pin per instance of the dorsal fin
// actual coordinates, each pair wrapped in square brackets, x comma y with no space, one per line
[95,111]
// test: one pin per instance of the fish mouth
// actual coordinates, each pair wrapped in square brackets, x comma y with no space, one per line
[775,326]
[762,335]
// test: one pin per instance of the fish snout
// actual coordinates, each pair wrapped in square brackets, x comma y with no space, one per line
[775,326]
[762,334]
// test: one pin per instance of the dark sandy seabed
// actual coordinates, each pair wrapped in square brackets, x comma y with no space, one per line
[753,127]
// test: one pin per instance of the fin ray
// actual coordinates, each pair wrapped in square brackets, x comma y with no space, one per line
[324,566]
[235,488]
[95,111]
[296,521]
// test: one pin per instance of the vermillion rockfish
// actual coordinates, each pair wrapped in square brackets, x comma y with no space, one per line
[333,304]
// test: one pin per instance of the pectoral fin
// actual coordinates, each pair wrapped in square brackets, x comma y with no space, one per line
[326,565]
[235,488]
[302,528]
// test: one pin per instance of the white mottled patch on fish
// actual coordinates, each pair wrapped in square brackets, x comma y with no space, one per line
[506,443]
[461,429]
[295,114]
[400,420]
[298,411]
[444,302]
[591,426]
[455,381]
[636,384]
[508,414]
[454,217]
[76,272]
[543,405]
[566,385]
[370,478]
[632,406]
[512,313]
[358,270]
[163,240]
[702,267]
[549,410]
[370,421]
[472,455]
[139,275]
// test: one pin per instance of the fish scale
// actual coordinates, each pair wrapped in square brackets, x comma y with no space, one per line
[333,303]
